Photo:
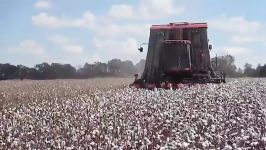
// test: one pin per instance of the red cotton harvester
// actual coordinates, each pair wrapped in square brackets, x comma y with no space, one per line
[178,55]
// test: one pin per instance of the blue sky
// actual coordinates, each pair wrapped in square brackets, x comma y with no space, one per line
[79,31]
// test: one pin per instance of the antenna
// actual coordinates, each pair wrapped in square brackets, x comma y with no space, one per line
[216,62]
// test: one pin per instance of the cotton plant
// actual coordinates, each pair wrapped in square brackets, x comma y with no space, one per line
[86,115]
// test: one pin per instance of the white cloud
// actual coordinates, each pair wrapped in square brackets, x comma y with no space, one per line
[128,46]
[101,27]
[233,50]
[243,39]
[112,36]
[76,49]
[121,11]
[28,47]
[159,8]
[42,4]
[92,58]
[239,30]
[87,20]
[235,25]
[112,30]
[45,20]
[146,9]
[236,50]
[66,44]
[126,49]
[255,38]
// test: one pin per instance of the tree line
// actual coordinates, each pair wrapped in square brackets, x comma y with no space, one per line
[226,64]
[114,68]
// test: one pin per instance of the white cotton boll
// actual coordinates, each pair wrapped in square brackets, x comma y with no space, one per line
[208,135]
[28,144]
[82,132]
[245,138]
[233,121]
[204,121]
[145,131]
[213,127]
[95,132]
[14,143]
[129,137]
[183,144]
[234,145]
[254,143]
[263,139]
[92,143]
[70,148]
[148,141]
[227,147]
[242,131]
[205,144]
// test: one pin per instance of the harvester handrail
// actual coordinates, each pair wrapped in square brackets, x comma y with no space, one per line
[176,41]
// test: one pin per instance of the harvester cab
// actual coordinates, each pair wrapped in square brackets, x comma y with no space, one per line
[178,55]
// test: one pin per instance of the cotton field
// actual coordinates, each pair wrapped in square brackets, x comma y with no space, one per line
[107,114]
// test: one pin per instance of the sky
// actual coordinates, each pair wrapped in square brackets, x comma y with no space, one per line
[79,31]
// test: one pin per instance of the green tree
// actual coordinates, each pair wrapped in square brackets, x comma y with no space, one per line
[114,66]
[127,68]
[249,71]
[45,71]
[225,64]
